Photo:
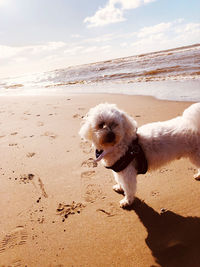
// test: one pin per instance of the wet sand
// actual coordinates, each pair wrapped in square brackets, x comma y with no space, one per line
[59,209]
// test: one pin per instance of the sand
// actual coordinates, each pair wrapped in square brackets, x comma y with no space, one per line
[59,209]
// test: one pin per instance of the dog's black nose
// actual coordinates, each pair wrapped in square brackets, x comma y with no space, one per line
[110,137]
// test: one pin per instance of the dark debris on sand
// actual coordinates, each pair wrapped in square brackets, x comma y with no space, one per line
[64,210]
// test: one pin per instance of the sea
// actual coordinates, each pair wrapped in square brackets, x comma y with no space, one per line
[172,74]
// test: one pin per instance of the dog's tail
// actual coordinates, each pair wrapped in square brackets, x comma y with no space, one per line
[192,115]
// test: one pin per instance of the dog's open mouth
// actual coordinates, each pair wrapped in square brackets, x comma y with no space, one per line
[101,153]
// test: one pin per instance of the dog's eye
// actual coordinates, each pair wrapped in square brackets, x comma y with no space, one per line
[101,125]
[113,125]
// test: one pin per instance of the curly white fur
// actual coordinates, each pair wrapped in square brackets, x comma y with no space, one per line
[162,142]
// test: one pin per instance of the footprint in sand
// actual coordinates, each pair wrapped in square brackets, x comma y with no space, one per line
[24,119]
[16,263]
[165,170]
[17,237]
[15,133]
[30,154]
[37,215]
[50,134]
[77,116]
[13,144]
[87,174]
[92,193]
[155,193]
[27,113]
[86,147]
[36,181]
[89,163]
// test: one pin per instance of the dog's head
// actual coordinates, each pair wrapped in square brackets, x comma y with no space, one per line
[106,126]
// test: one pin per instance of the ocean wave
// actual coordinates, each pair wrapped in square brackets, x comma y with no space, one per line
[174,64]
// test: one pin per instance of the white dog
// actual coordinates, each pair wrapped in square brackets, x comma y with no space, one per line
[129,150]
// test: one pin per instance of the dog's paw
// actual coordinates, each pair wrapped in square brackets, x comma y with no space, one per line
[117,188]
[125,203]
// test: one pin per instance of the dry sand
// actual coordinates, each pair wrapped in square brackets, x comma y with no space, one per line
[58,209]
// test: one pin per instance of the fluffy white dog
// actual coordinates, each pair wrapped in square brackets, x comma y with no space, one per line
[129,150]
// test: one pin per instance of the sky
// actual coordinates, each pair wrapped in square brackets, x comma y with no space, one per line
[42,35]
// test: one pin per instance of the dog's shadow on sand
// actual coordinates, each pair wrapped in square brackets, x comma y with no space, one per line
[173,239]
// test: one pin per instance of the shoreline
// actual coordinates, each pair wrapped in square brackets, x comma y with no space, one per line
[187,91]
[58,209]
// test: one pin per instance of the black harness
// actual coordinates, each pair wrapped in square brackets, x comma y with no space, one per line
[134,152]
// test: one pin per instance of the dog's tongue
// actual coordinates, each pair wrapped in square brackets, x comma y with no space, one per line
[100,154]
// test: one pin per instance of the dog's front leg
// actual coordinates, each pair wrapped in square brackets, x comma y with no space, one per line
[128,182]
[117,187]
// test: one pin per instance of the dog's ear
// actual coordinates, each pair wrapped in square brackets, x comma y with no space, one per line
[86,130]
[130,125]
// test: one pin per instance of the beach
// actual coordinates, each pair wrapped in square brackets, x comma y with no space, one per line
[58,208]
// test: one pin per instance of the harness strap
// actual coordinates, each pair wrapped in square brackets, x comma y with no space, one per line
[136,152]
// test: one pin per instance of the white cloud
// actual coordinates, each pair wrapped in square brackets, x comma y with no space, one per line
[10,52]
[126,4]
[193,28]
[113,12]
[45,48]
[73,50]
[159,28]
[130,4]
[99,39]
[97,49]
[188,33]
[106,15]
[166,35]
